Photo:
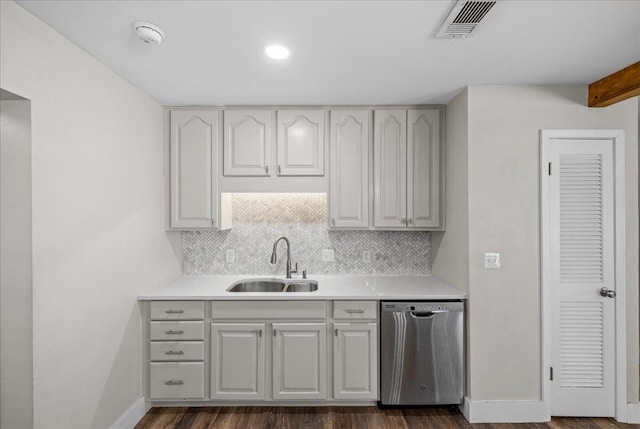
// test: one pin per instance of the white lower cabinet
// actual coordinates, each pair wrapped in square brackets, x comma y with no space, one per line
[176,380]
[300,361]
[355,361]
[244,350]
[237,361]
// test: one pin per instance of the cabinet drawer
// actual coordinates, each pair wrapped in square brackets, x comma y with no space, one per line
[177,310]
[176,331]
[176,350]
[354,310]
[176,380]
[268,310]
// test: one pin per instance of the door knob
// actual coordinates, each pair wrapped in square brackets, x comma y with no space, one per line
[607,293]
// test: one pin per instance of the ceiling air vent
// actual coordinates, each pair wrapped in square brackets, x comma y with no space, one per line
[464,18]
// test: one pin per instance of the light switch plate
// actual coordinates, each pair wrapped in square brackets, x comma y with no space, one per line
[231,256]
[492,260]
[328,255]
[366,256]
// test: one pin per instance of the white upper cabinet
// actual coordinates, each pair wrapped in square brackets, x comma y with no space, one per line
[301,142]
[407,169]
[247,142]
[193,160]
[349,196]
[390,167]
[423,168]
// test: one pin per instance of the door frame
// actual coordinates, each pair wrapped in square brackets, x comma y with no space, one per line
[547,138]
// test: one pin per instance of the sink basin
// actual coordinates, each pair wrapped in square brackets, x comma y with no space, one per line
[257,286]
[262,285]
[302,287]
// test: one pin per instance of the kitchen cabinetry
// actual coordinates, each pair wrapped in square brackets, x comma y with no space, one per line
[176,350]
[349,187]
[296,353]
[194,197]
[245,350]
[247,142]
[301,142]
[249,148]
[407,169]
[355,353]
[237,360]
[300,361]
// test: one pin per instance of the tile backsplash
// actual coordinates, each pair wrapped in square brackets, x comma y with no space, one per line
[259,219]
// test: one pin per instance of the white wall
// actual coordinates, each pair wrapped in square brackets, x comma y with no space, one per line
[450,249]
[503,178]
[16,321]
[98,227]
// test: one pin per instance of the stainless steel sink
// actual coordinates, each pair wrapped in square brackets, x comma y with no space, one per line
[257,286]
[310,286]
[274,285]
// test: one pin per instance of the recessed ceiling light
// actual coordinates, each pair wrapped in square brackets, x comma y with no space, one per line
[277,52]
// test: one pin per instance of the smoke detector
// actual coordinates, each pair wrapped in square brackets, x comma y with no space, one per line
[148,33]
[464,18]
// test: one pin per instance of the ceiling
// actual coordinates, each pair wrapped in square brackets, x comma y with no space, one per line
[345,52]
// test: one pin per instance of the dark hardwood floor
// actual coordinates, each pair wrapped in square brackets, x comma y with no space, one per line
[341,418]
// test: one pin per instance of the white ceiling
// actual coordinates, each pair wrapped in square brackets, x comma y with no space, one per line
[345,52]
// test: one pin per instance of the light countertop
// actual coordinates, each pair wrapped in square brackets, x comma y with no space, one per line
[329,287]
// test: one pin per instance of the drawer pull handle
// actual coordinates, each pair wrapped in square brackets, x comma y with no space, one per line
[174,383]
[172,352]
[174,332]
[354,310]
[174,311]
[260,333]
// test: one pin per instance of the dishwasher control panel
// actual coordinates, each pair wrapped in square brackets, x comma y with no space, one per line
[422,307]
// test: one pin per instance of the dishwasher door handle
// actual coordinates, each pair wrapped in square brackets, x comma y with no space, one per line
[425,314]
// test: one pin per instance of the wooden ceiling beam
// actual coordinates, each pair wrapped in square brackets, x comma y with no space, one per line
[616,87]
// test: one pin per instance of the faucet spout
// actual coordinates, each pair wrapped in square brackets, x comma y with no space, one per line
[274,255]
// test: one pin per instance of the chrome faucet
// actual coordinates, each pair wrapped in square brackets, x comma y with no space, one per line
[274,256]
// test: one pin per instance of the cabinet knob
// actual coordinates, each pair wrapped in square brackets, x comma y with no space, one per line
[213,221]
[279,170]
[333,222]
[266,169]
[403,220]
[260,333]
[410,221]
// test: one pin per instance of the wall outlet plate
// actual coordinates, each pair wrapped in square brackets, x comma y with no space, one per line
[328,255]
[231,256]
[366,256]
[492,260]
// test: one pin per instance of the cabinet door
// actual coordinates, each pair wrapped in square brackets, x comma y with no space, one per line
[390,168]
[194,148]
[237,360]
[300,361]
[247,142]
[423,168]
[349,198]
[355,361]
[300,143]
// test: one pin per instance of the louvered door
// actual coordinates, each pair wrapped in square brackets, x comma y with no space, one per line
[582,262]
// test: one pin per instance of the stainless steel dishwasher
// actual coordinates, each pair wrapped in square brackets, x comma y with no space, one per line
[421,353]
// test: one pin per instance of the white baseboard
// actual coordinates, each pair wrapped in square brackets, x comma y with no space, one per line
[132,416]
[504,411]
[633,413]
